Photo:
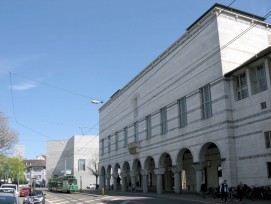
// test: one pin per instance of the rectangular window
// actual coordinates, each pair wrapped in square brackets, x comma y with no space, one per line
[267,139]
[109,143]
[117,140]
[125,137]
[269,169]
[148,126]
[136,131]
[163,115]
[102,146]
[259,79]
[206,103]
[241,86]
[135,107]
[182,112]
[81,165]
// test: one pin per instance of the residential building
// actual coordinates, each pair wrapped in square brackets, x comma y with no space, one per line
[35,172]
[200,112]
[73,157]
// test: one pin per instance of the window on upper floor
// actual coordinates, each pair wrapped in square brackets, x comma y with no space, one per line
[109,143]
[258,78]
[81,165]
[268,169]
[163,116]
[135,104]
[148,127]
[241,89]
[206,103]
[125,136]
[267,136]
[182,112]
[136,131]
[117,140]
[102,146]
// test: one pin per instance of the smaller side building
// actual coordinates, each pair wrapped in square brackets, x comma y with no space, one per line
[35,172]
[74,156]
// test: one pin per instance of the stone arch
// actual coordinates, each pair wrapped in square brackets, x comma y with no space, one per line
[148,171]
[125,176]
[165,169]
[210,162]
[109,180]
[136,177]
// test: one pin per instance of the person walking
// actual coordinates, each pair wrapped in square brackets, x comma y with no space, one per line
[224,191]
[240,191]
[203,189]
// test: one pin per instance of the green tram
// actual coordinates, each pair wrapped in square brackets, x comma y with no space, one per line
[66,184]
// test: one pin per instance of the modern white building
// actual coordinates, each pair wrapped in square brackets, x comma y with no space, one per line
[73,157]
[200,112]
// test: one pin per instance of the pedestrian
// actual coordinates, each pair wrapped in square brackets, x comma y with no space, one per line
[203,189]
[240,191]
[224,191]
[133,188]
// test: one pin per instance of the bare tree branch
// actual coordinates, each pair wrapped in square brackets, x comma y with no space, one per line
[8,137]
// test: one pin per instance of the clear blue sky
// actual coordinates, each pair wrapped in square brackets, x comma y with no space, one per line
[63,53]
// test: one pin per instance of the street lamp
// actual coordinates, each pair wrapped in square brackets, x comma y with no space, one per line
[95,101]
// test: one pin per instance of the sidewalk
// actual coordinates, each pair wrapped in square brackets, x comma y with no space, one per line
[172,195]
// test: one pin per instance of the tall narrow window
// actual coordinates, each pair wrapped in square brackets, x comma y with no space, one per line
[268,169]
[81,165]
[259,79]
[135,103]
[125,137]
[241,86]
[267,139]
[163,115]
[182,112]
[148,126]
[206,103]
[102,146]
[109,143]
[136,131]
[117,140]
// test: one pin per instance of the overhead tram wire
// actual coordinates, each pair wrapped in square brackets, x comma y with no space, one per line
[93,100]
[14,112]
[186,44]
[201,62]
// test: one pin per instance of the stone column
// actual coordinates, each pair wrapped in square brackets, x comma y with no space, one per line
[124,181]
[108,182]
[101,182]
[133,175]
[198,168]
[177,178]
[145,174]
[115,185]
[159,172]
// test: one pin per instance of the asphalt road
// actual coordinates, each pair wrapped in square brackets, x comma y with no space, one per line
[84,198]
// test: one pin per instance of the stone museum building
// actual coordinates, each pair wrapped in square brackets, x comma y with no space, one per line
[199,112]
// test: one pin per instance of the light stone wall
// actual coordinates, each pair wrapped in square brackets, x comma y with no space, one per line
[181,71]
[68,152]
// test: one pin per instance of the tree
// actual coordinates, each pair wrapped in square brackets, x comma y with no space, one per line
[93,166]
[8,137]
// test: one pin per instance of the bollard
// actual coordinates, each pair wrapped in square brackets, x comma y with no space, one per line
[102,191]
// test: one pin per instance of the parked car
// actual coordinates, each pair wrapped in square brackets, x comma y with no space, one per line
[91,186]
[36,196]
[24,191]
[7,190]
[10,185]
[9,198]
